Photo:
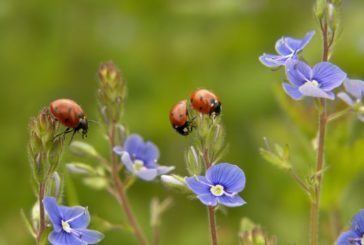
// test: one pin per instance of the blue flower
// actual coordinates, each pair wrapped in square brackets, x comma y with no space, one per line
[355,89]
[287,49]
[221,184]
[316,82]
[355,236]
[69,224]
[140,158]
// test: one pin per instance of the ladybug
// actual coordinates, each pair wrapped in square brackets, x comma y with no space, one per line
[71,115]
[206,102]
[178,117]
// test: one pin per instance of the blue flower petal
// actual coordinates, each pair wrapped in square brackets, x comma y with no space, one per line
[231,201]
[164,169]
[148,152]
[283,48]
[298,72]
[355,87]
[199,185]
[90,236]
[292,91]
[79,215]
[64,238]
[128,163]
[118,150]
[357,222]
[230,176]
[346,237]
[273,61]
[328,75]
[298,44]
[147,174]
[51,207]
[133,143]
[346,98]
[208,199]
[308,89]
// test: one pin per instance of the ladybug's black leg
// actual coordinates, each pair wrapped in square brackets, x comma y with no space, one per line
[68,130]
[73,134]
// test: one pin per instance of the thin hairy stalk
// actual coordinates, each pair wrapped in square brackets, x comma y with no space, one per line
[41,213]
[323,119]
[121,195]
[212,221]
[210,209]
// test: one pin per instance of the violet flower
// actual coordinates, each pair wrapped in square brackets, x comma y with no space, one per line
[140,158]
[355,236]
[221,184]
[354,95]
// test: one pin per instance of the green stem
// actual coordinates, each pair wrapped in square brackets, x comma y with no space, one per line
[121,195]
[212,222]
[315,205]
[41,213]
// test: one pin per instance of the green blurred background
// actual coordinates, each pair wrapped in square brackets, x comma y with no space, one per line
[166,49]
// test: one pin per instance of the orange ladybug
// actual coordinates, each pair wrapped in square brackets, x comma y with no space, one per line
[206,102]
[71,115]
[178,117]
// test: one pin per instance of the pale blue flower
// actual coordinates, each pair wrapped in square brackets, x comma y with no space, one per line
[354,96]
[221,184]
[140,158]
[318,81]
[287,49]
[69,224]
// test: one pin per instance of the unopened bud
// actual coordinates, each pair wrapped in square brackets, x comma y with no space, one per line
[83,149]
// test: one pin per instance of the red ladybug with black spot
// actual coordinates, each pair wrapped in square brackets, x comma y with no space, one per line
[178,117]
[71,115]
[206,102]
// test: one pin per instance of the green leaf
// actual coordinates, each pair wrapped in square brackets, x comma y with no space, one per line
[27,223]
[96,183]
[275,159]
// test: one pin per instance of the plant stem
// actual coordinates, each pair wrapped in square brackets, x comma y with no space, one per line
[315,204]
[41,212]
[212,221]
[121,195]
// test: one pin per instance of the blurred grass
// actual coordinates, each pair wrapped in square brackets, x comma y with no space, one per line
[166,49]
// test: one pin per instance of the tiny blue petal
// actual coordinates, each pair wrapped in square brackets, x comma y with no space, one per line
[231,201]
[118,150]
[348,238]
[354,87]
[231,177]
[64,238]
[298,72]
[208,199]
[309,89]
[199,185]
[328,75]
[51,207]
[273,61]
[357,222]
[292,91]
[346,98]
[147,174]
[90,236]
[79,215]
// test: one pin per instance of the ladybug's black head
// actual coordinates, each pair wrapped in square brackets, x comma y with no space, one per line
[83,126]
[184,130]
[215,107]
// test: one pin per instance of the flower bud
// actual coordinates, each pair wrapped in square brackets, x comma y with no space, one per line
[111,93]
[193,161]
[83,149]
[44,150]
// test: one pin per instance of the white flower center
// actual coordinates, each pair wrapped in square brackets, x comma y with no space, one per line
[313,83]
[66,227]
[217,190]
[138,165]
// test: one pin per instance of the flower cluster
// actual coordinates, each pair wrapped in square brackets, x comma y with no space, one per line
[318,81]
